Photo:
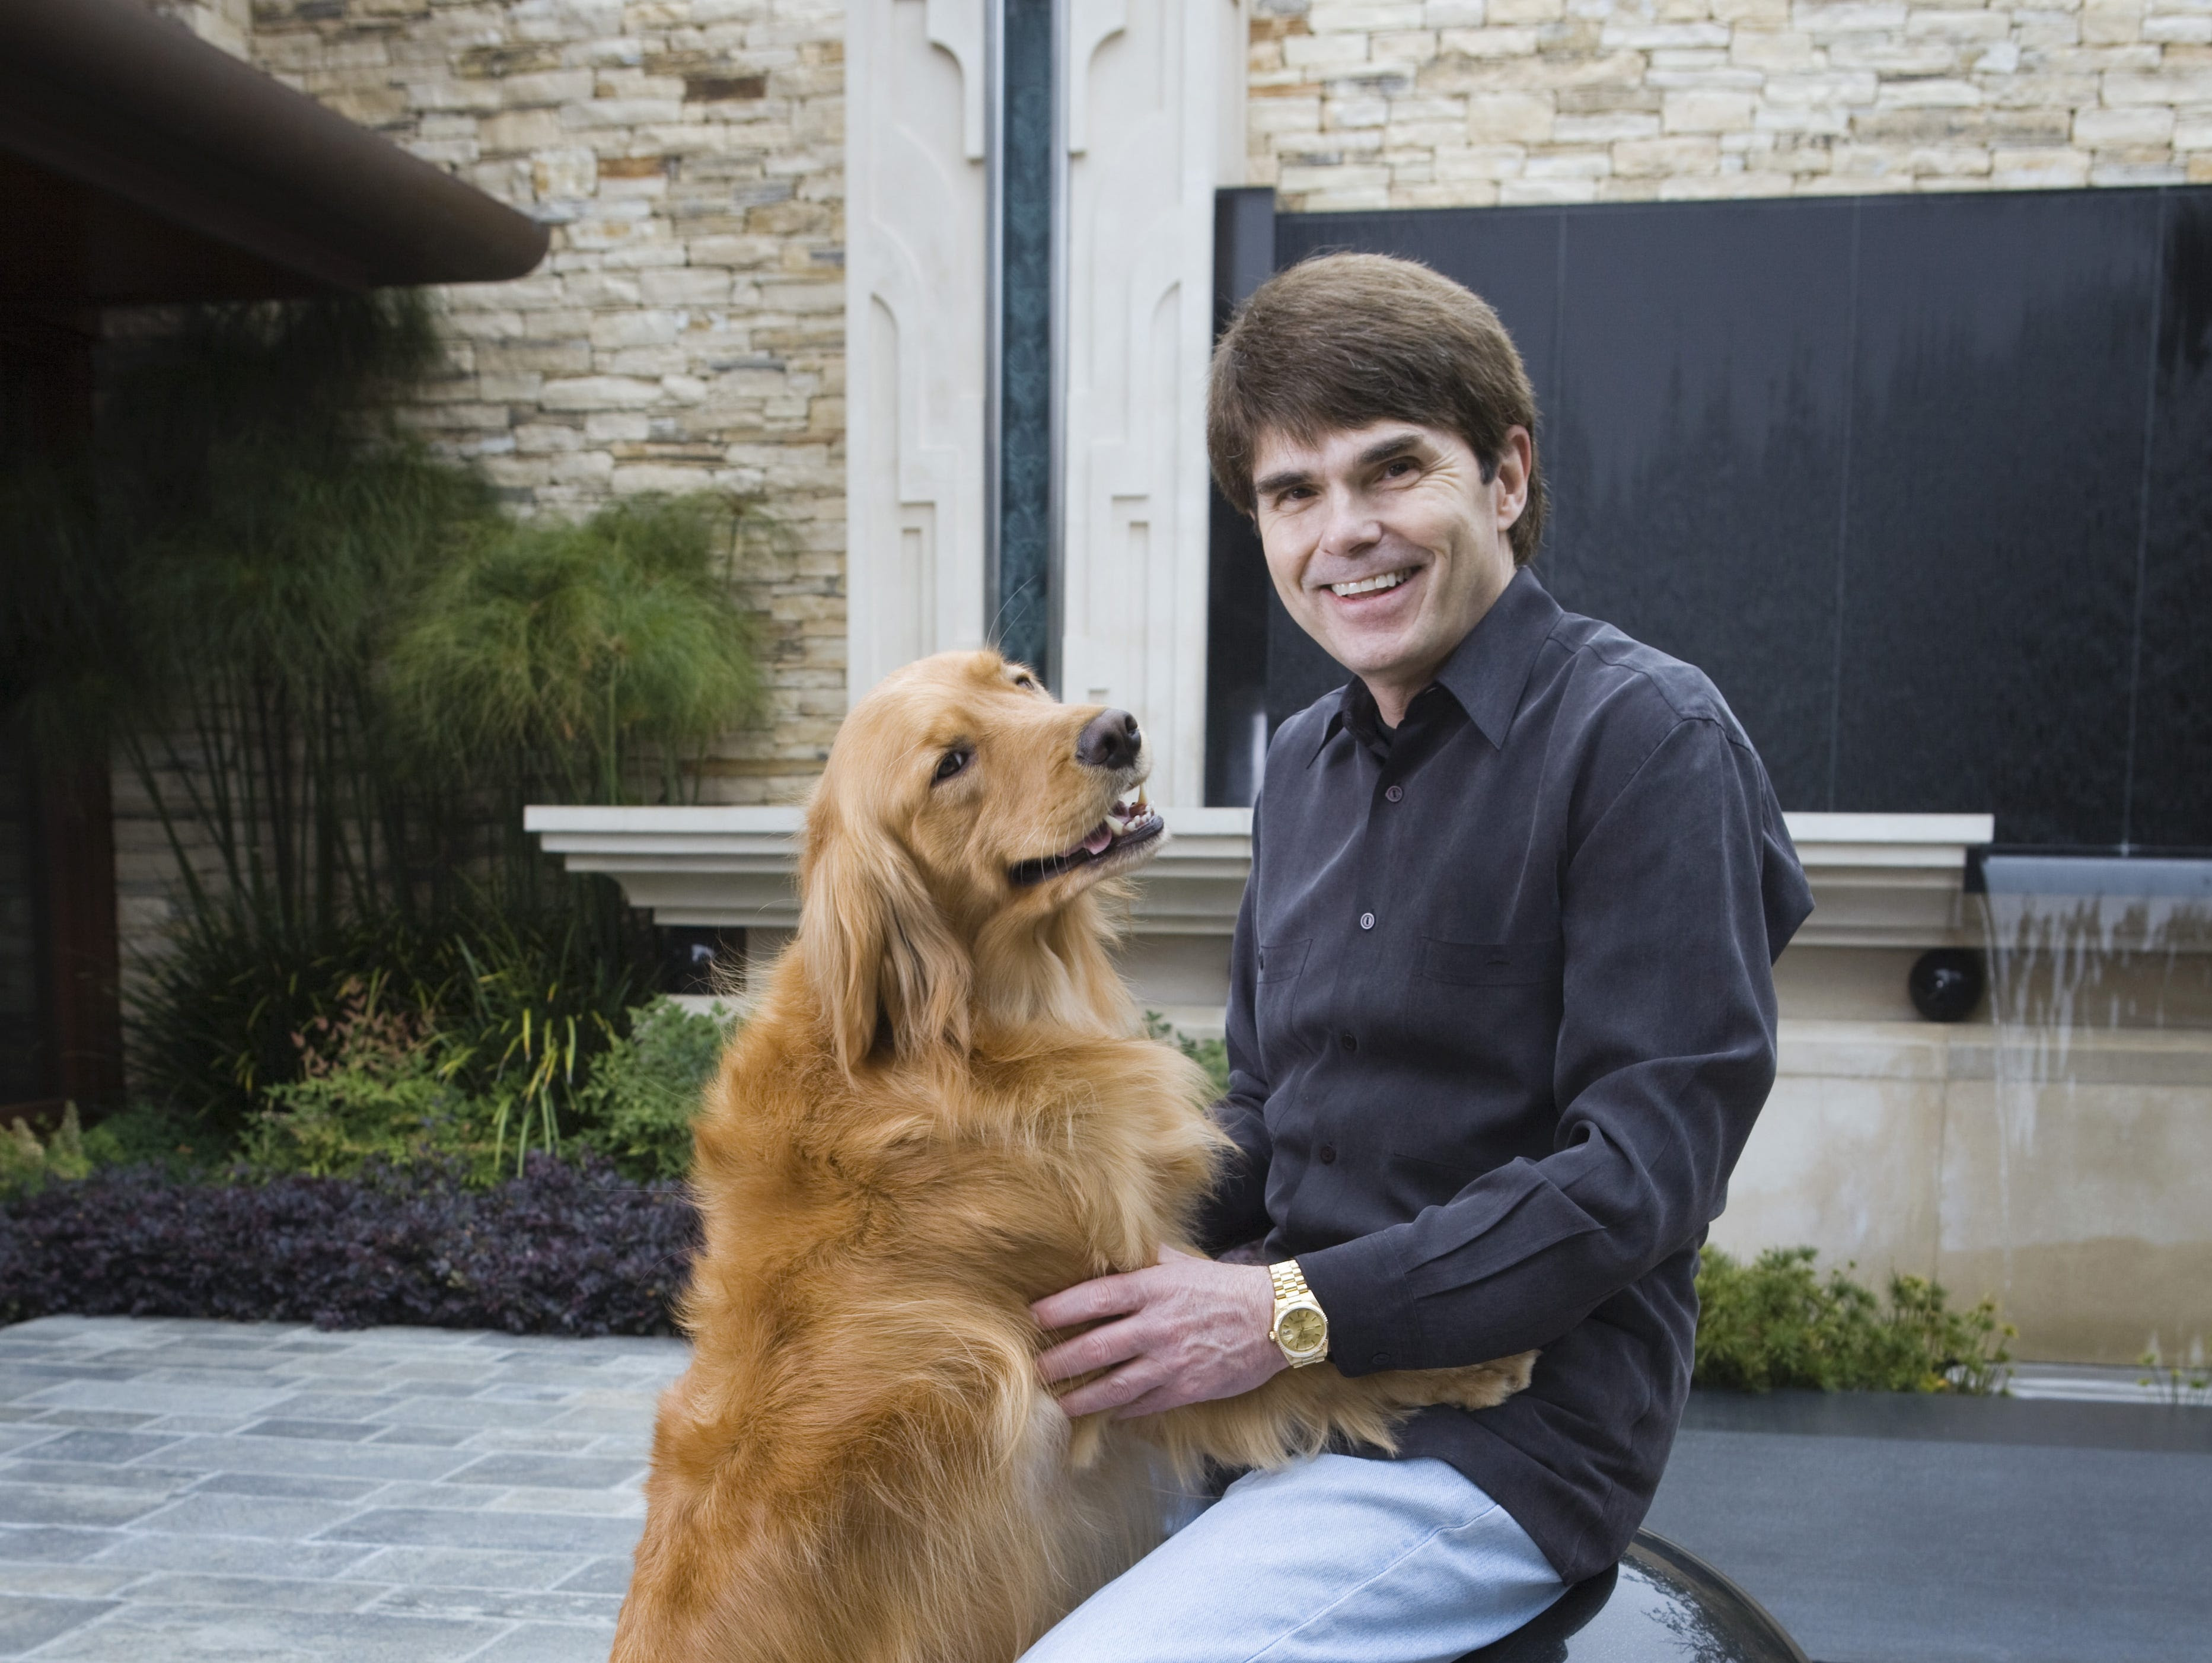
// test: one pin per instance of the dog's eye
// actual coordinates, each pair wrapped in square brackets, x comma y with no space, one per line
[953,761]
[1026,683]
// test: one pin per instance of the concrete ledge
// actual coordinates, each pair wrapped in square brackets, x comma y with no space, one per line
[1880,880]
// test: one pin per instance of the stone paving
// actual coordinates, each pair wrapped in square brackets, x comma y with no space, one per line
[263,1493]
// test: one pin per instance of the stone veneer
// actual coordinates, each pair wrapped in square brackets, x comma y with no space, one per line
[1467,103]
[686,330]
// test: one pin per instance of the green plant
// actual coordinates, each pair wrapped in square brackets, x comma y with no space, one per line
[565,654]
[1211,1055]
[1775,1323]
[2187,1382]
[372,1092]
[644,1090]
[26,1164]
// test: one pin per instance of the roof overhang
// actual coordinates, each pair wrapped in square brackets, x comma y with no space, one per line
[140,164]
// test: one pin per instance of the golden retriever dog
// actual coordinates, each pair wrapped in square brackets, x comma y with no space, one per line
[941,1109]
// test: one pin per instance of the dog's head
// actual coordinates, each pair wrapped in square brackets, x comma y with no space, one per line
[962,806]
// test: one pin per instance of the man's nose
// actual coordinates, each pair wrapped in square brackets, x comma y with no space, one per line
[1109,739]
[1350,525]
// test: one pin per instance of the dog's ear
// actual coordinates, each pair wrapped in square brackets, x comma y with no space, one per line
[876,947]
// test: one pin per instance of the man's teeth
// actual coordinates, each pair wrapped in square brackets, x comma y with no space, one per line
[1369,585]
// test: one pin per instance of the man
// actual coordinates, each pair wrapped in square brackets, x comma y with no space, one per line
[1501,1017]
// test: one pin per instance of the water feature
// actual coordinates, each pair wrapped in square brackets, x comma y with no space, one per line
[2101,995]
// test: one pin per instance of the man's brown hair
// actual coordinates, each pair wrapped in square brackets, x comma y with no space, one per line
[1345,340]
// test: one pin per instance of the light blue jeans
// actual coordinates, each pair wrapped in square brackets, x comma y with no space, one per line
[1333,1560]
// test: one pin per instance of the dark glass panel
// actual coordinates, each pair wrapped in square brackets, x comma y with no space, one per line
[2171,803]
[1996,479]
[1700,414]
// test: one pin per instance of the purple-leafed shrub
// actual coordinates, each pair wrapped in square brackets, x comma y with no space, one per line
[559,1250]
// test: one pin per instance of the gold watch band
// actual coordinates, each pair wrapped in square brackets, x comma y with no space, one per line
[1299,1325]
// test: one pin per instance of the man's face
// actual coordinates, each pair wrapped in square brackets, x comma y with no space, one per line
[1387,544]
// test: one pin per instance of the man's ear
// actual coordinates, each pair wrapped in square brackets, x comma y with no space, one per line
[875,945]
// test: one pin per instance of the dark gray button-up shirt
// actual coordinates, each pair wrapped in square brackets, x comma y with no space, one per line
[1501,1015]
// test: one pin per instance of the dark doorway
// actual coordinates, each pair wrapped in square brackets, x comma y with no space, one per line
[1923,483]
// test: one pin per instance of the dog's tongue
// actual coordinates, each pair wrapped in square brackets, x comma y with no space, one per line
[1097,841]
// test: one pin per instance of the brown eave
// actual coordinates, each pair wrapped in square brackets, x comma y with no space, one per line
[138,163]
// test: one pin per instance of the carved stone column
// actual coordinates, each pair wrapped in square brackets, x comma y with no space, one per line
[1154,119]
[916,243]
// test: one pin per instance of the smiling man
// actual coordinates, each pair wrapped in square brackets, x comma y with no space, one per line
[1501,1017]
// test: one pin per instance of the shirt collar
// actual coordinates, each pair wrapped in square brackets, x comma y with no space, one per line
[1487,672]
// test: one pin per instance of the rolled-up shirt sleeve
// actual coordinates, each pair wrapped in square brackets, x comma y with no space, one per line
[1674,902]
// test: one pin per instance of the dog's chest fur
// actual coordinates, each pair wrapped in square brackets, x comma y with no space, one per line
[1011,1173]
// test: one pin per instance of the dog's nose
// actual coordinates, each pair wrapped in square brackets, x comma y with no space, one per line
[1109,739]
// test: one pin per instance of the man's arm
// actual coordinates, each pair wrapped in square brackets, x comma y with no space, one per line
[1237,1211]
[1666,1053]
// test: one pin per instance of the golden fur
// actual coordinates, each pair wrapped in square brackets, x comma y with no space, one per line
[940,1110]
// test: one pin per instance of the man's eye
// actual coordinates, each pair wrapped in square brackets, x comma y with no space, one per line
[1399,468]
[953,761]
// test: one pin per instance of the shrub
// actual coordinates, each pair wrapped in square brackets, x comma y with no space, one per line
[520,999]
[1775,1322]
[644,1090]
[559,1250]
[1211,1055]
[26,1164]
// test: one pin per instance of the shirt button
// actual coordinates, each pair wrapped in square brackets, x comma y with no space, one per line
[1367,920]
[1328,1152]
[1348,1040]
[1396,793]
[1381,1360]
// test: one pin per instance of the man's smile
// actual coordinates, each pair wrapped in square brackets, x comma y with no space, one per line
[1389,580]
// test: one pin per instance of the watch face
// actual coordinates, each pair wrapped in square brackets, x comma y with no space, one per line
[1301,1331]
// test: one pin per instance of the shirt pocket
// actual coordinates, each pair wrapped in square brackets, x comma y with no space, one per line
[1281,961]
[1491,963]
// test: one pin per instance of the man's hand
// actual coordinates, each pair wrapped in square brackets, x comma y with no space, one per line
[1190,1330]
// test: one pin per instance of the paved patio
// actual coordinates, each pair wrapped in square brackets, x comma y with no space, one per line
[174,1490]
[177,1491]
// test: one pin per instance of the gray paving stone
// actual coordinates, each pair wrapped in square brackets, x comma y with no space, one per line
[337,1432]
[154,1480]
[530,1533]
[198,1514]
[407,1493]
[134,1633]
[28,1622]
[546,1642]
[610,1575]
[39,1542]
[428,1437]
[239,1555]
[225,1454]
[148,1399]
[317,1487]
[546,1472]
[514,1604]
[473,1412]
[105,1420]
[113,1448]
[188,1491]
[39,1504]
[51,1581]
[474,1568]
[274,1593]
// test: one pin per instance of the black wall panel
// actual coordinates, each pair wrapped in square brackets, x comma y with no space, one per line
[1923,483]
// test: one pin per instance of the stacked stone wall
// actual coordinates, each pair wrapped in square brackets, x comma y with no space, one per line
[686,331]
[1470,103]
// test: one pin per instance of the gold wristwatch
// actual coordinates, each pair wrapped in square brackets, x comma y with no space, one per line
[1300,1325]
